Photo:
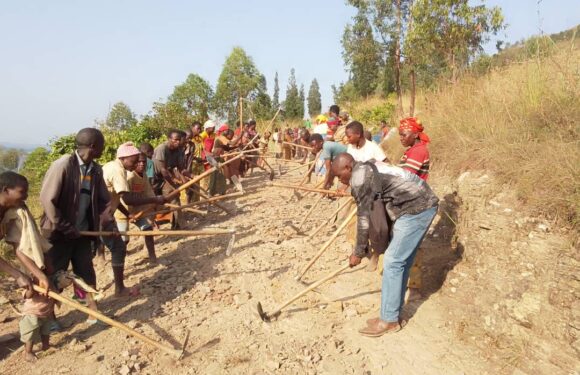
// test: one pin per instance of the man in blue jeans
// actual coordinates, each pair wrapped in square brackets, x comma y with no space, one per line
[411,205]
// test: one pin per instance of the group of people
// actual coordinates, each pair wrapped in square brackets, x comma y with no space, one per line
[395,205]
[78,196]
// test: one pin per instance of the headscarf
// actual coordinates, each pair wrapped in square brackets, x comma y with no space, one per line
[222,129]
[209,124]
[321,118]
[414,125]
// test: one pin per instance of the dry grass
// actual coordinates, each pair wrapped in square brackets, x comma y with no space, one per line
[519,123]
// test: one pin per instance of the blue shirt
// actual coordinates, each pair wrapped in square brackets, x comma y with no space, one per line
[150,169]
[330,150]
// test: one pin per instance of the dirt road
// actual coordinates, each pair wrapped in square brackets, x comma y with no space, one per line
[198,288]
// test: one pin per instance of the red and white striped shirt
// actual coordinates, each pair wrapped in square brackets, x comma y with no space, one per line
[416,160]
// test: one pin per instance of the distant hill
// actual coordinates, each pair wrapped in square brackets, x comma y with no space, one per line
[21,146]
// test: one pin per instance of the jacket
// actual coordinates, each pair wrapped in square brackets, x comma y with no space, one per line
[401,192]
[60,195]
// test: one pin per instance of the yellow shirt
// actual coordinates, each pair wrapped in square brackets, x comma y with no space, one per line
[115,177]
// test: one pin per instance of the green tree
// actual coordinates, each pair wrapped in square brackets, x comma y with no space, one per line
[239,79]
[454,28]
[195,96]
[314,99]
[361,54]
[120,117]
[9,158]
[261,107]
[276,96]
[293,107]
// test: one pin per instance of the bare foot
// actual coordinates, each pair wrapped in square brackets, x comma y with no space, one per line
[45,347]
[373,262]
[127,292]
[30,357]
[412,294]
[153,261]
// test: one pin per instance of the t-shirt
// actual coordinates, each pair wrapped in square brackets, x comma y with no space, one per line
[150,168]
[140,185]
[416,160]
[115,177]
[368,151]
[163,155]
[321,129]
[330,150]
[85,194]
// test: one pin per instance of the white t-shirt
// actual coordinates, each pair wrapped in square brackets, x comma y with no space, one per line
[370,150]
[321,129]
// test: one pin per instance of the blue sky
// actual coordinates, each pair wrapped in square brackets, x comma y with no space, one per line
[64,63]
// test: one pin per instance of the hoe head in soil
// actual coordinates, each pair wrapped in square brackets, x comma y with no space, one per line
[265,317]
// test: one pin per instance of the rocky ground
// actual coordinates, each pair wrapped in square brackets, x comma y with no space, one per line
[500,288]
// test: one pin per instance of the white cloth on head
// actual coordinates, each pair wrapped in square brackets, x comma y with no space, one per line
[209,124]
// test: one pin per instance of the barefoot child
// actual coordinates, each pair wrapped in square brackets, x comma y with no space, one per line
[18,229]
[139,184]
[36,322]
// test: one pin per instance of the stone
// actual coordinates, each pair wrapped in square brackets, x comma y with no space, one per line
[179,289]
[273,365]
[350,312]
[100,358]
[3,300]
[523,310]
[335,307]
[125,353]
[124,370]
[543,227]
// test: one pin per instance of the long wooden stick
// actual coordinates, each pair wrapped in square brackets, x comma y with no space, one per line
[295,145]
[268,128]
[109,321]
[330,276]
[205,174]
[150,212]
[159,232]
[285,161]
[340,207]
[327,244]
[304,188]
[309,212]
[298,167]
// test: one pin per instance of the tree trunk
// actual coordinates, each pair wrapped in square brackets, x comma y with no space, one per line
[412,103]
[398,57]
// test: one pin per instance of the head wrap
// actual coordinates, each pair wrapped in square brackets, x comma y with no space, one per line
[127,149]
[222,129]
[209,124]
[414,125]
[321,118]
